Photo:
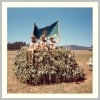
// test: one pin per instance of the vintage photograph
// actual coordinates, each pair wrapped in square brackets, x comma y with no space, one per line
[50,50]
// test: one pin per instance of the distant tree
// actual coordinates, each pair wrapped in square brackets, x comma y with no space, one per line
[15,45]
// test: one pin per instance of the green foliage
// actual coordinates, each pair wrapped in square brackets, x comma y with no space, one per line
[49,67]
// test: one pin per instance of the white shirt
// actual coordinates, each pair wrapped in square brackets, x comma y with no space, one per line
[34,44]
[43,43]
[52,45]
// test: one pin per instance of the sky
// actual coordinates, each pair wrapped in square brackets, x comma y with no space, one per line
[75,26]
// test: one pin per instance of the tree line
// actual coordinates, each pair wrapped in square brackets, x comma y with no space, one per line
[15,45]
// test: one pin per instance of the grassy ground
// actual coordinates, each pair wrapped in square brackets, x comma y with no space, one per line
[81,56]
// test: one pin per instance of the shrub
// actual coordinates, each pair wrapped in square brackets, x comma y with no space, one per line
[49,67]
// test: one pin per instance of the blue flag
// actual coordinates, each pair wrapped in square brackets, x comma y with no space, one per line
[51,30]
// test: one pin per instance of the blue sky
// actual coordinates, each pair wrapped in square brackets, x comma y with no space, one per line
[75,24]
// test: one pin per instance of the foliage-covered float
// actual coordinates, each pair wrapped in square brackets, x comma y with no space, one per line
[49,66]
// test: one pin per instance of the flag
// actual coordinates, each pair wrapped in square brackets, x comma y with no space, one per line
[51,30]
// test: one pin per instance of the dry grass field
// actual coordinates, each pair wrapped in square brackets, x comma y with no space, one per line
[81,56]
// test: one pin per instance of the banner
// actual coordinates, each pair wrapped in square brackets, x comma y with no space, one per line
[48,31]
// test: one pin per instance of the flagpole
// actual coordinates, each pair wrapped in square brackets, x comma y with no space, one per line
[58,25]
[33,28]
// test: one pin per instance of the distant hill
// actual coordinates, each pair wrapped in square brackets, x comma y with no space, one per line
[76,47]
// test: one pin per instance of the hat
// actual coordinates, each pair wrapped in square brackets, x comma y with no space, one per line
[33,37]
[51,37]
[43,36]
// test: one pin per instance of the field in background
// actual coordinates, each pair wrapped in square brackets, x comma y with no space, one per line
[81,56]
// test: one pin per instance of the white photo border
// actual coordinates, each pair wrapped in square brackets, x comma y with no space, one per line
[93,5]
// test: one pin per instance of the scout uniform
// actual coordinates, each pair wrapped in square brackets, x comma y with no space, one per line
[53,43]
[33,46]
[43,43]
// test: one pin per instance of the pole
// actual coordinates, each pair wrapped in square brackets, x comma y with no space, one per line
[33,28]
[33,34]
[58,25]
